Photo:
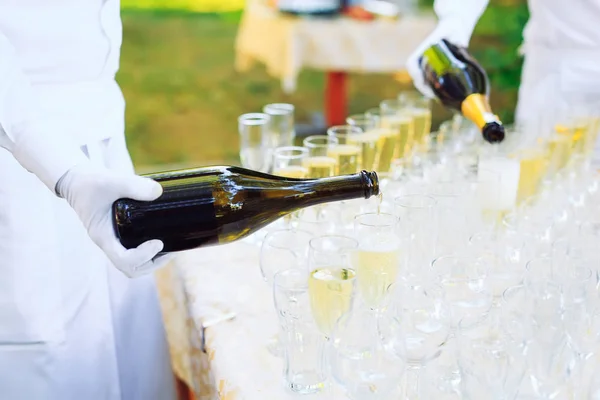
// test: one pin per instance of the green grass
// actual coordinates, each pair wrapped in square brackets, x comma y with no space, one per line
[184,96]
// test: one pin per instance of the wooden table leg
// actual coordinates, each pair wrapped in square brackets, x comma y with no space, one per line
[335,98]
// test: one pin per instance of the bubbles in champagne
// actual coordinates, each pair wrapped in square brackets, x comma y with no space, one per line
[347,157]
[331,292]
[320,166]
[292,171]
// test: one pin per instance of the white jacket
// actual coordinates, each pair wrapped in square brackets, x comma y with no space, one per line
[43,86]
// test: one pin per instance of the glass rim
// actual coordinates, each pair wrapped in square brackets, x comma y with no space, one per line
[367,214]
[327,139]
[350,239]
[299,152]
[254,119]
[432,201]
[345,130]
[301,273]
[528,264]
[360,117]
[280,231]
[476,261]
[374,111]
[278,109]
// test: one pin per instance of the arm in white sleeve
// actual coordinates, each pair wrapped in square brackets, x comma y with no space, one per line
[456,21]
[34,142]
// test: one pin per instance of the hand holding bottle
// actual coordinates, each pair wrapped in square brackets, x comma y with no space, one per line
[91,191]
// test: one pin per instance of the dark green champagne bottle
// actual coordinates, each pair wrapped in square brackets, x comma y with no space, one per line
[461,84]
[218,205]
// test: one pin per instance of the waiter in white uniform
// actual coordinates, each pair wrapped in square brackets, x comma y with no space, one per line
[72,326]
[561,44]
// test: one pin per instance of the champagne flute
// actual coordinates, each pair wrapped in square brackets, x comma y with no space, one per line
[282,250]
[398,123]
[347,152]
[420,108]
[378,257]
[332,280]
[318,163]
[281,123]
[255,141]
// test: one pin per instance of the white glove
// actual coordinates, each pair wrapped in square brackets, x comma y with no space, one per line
[91,191]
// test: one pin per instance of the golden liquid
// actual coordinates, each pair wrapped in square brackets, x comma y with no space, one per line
[559,148]
[404,127]
[320,166]
[377,269]
[533,167]
[331,291]
[347,157]
[292,171]
[422,121]
[388,143]
[368,143]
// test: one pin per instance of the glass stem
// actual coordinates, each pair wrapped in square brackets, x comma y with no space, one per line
[413,377]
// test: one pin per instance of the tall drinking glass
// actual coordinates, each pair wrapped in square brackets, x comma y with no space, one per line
[370,141]
[420,109]
[289,161]
[378,258]
[256,146]
[281,123]
[347,152]
[417,219]
[332,280]
[398,123]
[304,367]
[318,163]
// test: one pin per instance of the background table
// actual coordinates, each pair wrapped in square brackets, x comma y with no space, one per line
[287,44]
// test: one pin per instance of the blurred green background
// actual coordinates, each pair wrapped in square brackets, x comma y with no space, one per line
[183,94]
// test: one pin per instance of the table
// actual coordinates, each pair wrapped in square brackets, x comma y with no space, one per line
[286,45]
[217,357]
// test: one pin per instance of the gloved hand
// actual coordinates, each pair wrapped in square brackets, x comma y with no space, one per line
[456,21]
[91,191]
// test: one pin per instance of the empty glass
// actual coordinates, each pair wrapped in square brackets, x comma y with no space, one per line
[281,123]
[281,250]
[256,146]
[417,215]
[416,330]
[304,346]
[358,360]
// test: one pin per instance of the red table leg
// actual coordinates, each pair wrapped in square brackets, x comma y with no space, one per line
[335,98]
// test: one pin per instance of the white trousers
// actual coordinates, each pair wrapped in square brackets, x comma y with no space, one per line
[71,325]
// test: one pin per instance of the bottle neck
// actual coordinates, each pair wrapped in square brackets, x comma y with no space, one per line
[339,188]
[476,108]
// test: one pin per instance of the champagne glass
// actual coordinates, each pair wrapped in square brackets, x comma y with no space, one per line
[398,122]
[281,123]
[420,108]
[282,249]
[416,330]
[463,279]
[347,152]
[304,370]
[256,146]
[492,364]
[371,141]
[288,161]
[378,257]
[359,362]
[417,215]
[332,280]
[318,163]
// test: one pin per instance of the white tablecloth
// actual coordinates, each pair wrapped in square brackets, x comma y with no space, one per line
[223,359]
[286,45]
